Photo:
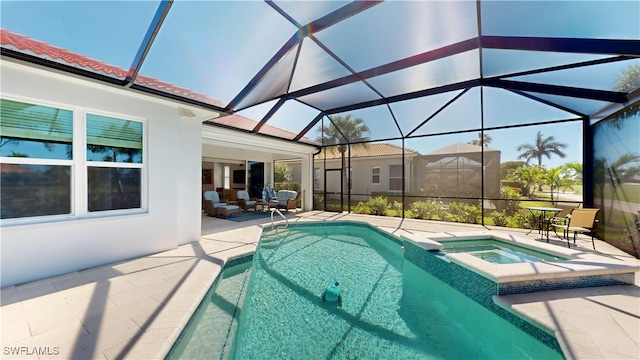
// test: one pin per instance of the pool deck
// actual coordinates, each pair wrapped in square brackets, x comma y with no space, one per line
[136,309]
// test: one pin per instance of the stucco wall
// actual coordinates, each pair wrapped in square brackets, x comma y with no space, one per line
[361,173]
[172,211]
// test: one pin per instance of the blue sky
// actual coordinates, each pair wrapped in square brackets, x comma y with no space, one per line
[215,47]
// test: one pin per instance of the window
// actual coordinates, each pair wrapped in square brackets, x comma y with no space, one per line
[395,177]
[114,155]
[46,173]
[227,177]
[36,145]
[375,175]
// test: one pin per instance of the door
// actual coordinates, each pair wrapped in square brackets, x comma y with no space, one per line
[256,179]
[333,190]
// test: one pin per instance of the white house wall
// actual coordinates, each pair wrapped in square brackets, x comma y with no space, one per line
[361,174]
[42,249]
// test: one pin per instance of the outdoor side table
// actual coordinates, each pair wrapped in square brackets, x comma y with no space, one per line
[543,218]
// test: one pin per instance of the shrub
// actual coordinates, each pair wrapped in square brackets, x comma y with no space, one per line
[375,206]
[463,212]
[522,219]
[512,203]
[378,205]
[363,208]
[397,208]
[431,209]
[318,201]
[500,218]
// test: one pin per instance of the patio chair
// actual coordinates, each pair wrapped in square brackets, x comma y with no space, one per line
[580,221]
[213,206]
[244,201]
[562,217]
[285,199]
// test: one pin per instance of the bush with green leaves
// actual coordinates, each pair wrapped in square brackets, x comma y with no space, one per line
[378,205]
[511,204]
[430,209]
[396,207]
[375,206]
[500,218]
[363,208]
[522,219]
[464,212]
[318,201]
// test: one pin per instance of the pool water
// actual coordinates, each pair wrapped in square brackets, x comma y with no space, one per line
[498,252]
[208,333]
[391,309]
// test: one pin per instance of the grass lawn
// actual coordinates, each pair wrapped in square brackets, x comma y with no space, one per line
[625,192]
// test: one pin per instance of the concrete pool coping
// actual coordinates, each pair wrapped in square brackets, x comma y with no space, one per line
[578,262]
[136,309]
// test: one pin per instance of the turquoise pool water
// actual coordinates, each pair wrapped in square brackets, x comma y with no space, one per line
[497,252]
[391,309]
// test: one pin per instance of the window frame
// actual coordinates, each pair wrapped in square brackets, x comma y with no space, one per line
[107,164]
[379,175]
[79,165]
[401,177]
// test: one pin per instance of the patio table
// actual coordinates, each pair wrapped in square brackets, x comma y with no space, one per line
[543,218]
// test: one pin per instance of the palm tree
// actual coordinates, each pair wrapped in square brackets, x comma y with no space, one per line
[557,178]
[541,147]
[483,140]
[341,131]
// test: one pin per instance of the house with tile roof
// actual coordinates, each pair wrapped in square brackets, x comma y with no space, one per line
[375,168]
[118,169]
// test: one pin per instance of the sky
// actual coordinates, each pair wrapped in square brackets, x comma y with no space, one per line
[216,47]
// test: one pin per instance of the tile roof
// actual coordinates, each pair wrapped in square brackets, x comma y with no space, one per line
[242,122]
[370,150]
[460,148]
[25,44]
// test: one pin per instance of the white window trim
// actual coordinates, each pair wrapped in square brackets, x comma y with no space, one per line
[379,175]
[394,177]
[79,166]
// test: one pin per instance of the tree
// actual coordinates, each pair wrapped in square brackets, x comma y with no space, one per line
[343,130]
[557,178]
[629,80]
[483,140]
[541,147]
[282,173]
[529,176]
[507,166]
[575,171]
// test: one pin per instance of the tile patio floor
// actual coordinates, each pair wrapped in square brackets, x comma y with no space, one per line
[136,309]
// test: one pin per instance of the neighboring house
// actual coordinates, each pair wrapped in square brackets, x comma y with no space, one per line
[104,173]
[457,170]
[375,168]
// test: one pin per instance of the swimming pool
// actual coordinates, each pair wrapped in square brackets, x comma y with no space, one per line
[391,308]
[497,252]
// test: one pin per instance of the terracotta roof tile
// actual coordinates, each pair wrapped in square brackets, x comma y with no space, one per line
[371,150]
[25,44]
[242,122]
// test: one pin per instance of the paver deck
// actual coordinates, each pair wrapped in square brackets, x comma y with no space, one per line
[136,309]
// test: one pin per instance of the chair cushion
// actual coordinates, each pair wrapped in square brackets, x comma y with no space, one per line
[211,196]
[243,194]
[284,195]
